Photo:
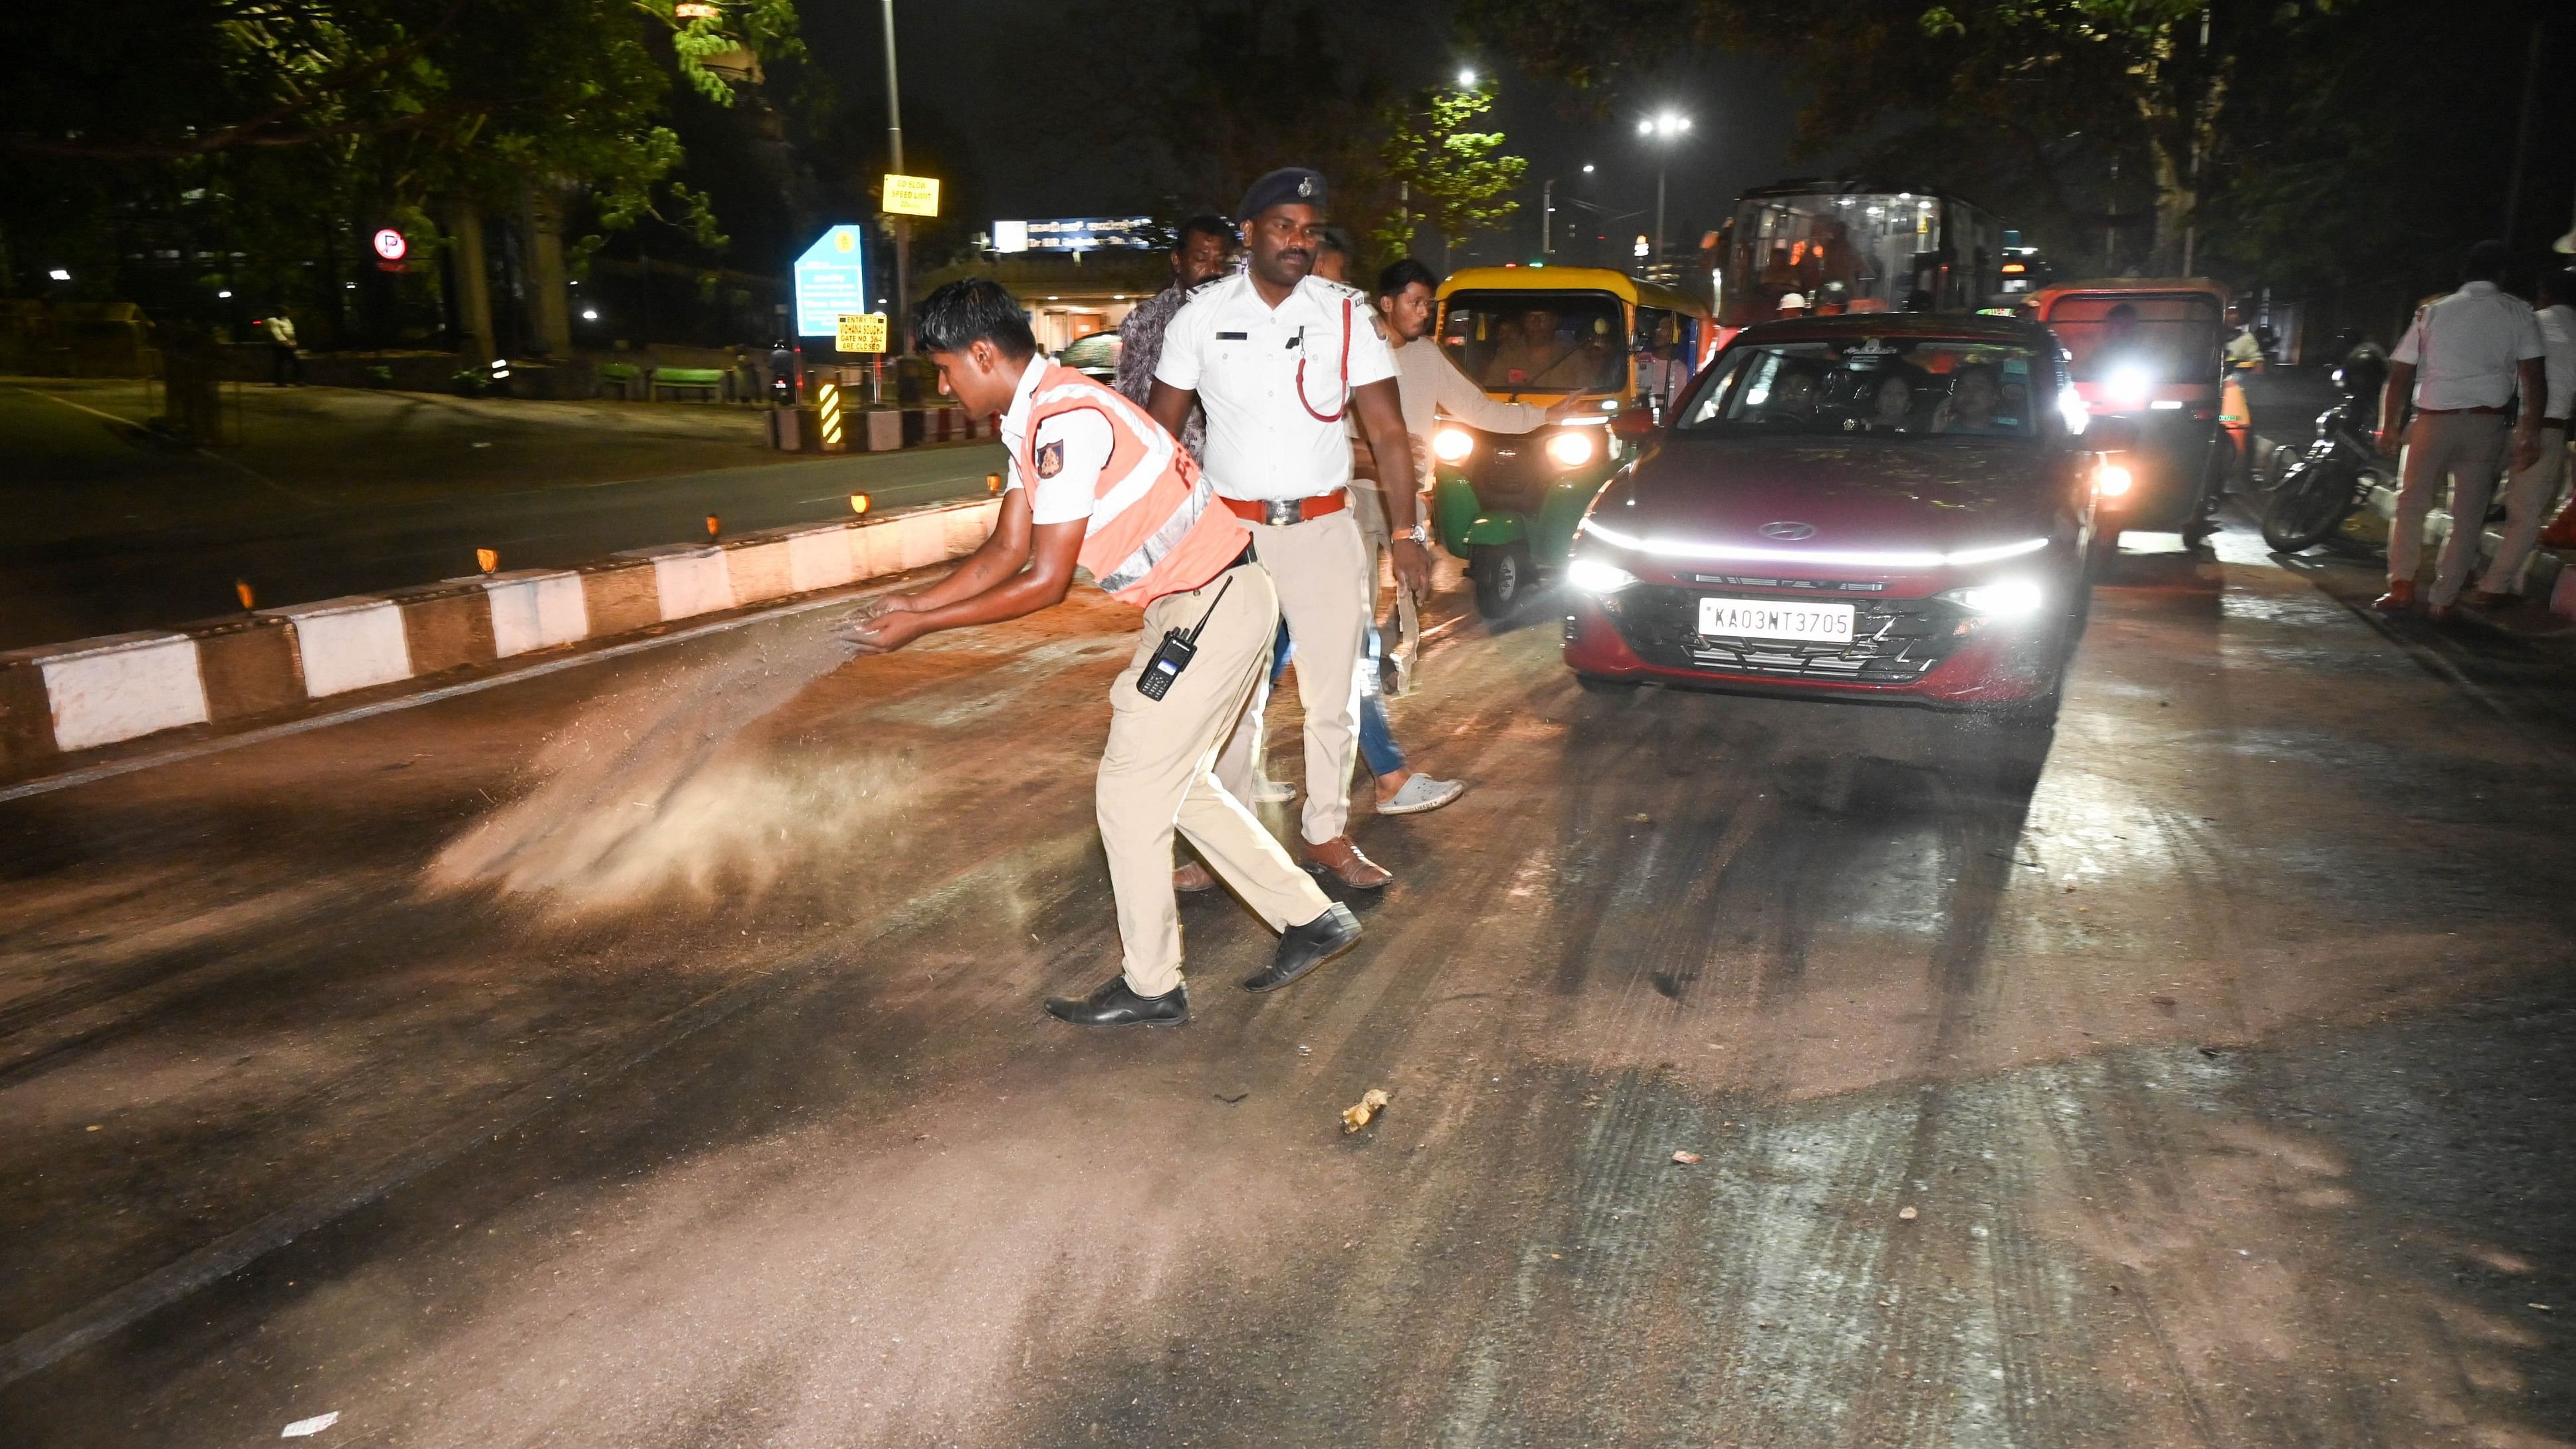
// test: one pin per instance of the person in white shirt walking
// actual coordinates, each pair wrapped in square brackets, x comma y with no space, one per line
[2533,488]
[1278,357]
[2459,363]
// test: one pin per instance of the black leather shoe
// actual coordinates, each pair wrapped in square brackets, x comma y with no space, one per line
[1303,948]
[1115,1005]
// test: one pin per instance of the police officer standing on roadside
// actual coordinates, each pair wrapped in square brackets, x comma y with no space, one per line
[1278,357]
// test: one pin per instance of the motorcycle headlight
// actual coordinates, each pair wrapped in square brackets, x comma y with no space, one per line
[2008,599]
[1572,449]
[1593,576]
[1452,445]
[2110,480]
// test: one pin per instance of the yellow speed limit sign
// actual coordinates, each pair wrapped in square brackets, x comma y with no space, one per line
[861,332]
[911,195]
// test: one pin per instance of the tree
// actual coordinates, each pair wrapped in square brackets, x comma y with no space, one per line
[2147,81]
[1446,175]
[249,128]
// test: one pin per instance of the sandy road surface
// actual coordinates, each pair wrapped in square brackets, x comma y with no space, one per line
[2218,1040]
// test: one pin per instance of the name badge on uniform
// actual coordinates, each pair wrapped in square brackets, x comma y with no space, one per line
[1050,460]
[1233,336]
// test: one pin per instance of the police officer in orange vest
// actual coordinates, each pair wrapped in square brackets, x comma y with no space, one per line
[1096,482]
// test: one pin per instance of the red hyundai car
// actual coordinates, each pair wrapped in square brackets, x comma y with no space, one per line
[1880,505]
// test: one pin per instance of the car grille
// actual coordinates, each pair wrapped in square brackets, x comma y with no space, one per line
[1894,641]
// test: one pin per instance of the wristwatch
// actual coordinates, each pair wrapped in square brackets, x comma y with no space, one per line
[1419,533]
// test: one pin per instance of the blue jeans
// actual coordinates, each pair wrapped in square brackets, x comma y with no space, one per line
[1378,749]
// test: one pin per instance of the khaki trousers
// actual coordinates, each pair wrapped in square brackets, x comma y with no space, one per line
[2464,448]
[1156,776]
[2528,500]
[1325,590]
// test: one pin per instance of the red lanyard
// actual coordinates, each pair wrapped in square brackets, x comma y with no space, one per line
[1336,415]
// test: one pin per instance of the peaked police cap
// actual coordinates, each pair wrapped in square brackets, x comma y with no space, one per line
[1287,186]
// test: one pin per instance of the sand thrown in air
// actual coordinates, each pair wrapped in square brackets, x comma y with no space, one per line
[652,792]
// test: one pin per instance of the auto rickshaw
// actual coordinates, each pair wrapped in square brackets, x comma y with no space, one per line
[2150,350]
[1508,503]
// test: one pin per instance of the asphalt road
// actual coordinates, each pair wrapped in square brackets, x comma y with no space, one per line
[555,1064]
[336,491]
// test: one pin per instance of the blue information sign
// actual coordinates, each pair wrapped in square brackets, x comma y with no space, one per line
[831,279]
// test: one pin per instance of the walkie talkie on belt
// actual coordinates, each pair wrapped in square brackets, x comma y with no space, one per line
[1173,655]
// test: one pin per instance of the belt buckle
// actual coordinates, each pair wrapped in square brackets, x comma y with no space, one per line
[1281,512]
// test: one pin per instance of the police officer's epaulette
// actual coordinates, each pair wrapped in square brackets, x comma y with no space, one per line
[1343,288]
[1210,282]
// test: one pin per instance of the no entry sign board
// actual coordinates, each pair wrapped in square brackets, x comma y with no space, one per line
[831,282]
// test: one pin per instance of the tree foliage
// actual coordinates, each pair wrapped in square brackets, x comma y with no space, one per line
[1456,179]
[2269,136]
[251,117]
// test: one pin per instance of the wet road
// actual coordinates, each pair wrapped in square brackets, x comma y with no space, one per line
[2195,1072]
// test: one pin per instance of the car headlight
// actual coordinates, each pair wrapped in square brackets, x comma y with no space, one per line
[1452,445]
[2110,480]
[1593,576]
[1571,449]
[2009,599]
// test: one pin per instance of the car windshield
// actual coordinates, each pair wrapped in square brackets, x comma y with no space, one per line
[2170,337]
[1874,387]
[1518,341]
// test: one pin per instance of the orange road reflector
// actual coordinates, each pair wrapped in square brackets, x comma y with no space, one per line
[992,482]
[486,559]
[715,526]
[242,587]
[859,502]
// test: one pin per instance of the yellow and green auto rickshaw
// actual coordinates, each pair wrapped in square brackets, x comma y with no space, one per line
[1508,503]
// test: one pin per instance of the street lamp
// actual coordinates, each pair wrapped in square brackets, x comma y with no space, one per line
[1665,129]
[1467,78]
[1547,212]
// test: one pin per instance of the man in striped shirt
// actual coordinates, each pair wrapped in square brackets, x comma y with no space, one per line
[1095,482]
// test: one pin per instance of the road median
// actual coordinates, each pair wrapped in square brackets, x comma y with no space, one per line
[64,700]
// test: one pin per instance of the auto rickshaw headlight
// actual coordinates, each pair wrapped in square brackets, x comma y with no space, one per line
[1572,449]
[1452,445]
[2128,388]
[2110,480]
[1593,576]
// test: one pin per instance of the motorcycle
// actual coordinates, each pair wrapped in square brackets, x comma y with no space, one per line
[2322,485]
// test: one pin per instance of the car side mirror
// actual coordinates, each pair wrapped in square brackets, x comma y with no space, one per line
[1634,423]
[2111,435]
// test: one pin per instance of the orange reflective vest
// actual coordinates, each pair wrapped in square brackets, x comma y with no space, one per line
[1154,529]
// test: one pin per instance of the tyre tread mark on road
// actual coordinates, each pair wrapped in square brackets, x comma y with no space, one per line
[111,1312]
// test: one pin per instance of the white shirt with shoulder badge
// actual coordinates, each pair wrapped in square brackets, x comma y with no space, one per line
[1276,383]
[2465,347]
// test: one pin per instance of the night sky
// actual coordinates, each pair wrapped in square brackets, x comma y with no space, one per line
[1009,91]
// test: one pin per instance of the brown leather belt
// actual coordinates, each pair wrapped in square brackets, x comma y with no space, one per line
[1281,512]
[2452,412]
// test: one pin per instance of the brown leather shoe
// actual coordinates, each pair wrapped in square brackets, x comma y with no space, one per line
[1191,878]
[2485,599]
[2399,598]
[2440,613]
[1342,861]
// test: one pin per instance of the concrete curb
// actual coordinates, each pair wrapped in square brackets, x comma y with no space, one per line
[58,699]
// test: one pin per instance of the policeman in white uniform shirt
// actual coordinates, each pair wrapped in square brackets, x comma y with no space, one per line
[1278,357]
[2459,364]
[2532,489]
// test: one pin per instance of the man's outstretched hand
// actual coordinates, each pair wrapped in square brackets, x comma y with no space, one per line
[879,626]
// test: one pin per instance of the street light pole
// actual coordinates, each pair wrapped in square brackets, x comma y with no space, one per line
[1664,129]
[901,228]
[1547,214]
